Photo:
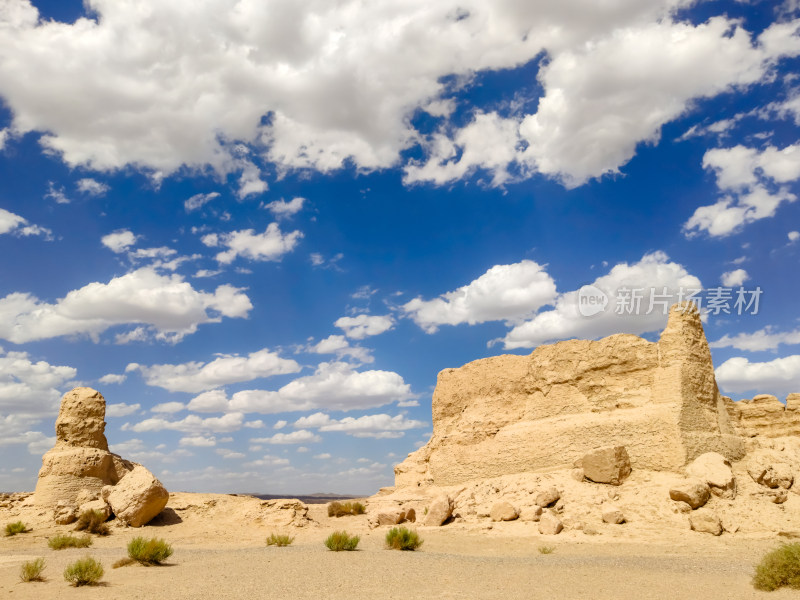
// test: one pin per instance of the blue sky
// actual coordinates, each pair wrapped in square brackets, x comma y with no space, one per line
[261,229]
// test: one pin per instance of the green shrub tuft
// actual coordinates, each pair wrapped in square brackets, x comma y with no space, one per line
[32,570]
[15,528]
[62,541]
[86,571]
[149,552]
[400,538]
[546,549]
[93,521]
[279,540]
[779,568]
[341,540]
[342,509]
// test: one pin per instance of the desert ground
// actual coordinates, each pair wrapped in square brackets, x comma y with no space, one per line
[220,552]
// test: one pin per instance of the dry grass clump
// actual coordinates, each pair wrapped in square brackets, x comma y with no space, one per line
[341,540]
[15,528]
[342,509]
[279,540]
[779,568]
[149,552]
[401,538]
[32,570]
[546,549]
[62,541]
[86,571]
[93,521]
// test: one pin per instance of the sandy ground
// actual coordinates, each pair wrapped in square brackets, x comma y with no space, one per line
[220,553]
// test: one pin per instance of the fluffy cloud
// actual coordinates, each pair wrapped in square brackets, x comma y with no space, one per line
[198,441]
[750,179]
[190,424]
[19,226]
[268,246]
[364,325]
[301,436]
[338,345]
[793,236]
[119,241]
[30,389]
[654,277]
[334,386]
[314,84]
[167,304]
[734,278]
[199,200]
[283,209]
[504,292]
[112,378]
[780,376]
[763,339]
[122,409]
[92,187]
[196,377]
[375,426]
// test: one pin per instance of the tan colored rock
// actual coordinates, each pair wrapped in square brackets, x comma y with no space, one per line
[767,468]
[503,511]
[85,496]
[439,511]
[607,465]
[693,492]
[411,515]
[95,505]
[658,400]
[612,514]
[138,497]
[549,524]
[530,513]
[547,497]
[777,496]
[705,521]
[65,513]
[715,470]
[767,417]
[390,517]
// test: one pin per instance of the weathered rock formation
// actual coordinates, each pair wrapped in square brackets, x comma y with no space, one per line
[79,467]
[543,412]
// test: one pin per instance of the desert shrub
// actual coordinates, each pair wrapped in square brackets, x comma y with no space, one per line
[149,552]
[341,509]
[279,539]
[15,528]
[93,521]
[62,541]
[32,570]
[779,568]
[341,540]
[86,571]
[546,549]
[400,538]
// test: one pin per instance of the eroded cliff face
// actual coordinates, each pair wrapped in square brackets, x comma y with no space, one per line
[515,414]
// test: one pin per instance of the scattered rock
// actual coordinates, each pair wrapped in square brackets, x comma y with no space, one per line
[715,470]
[530,513]
[610,464]
[138,497]
[590,529]
[766,469]
[547,497]
[777,496]
[99,505]
[549,524]
[692,491]
[729,525]
[612,514]
[705,521]
[85,496]
[390,518]
[503,511]
[65,513]
[411,515]
[439,511]
[577,474]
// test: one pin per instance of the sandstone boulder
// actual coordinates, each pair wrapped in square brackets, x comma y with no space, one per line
[715,470]
[530,513]
[392,517]
[777,496]
[610,464]
[95,505]
[138,497]
[411,515]
[612,514]
[439,511]
[503,511]
[65,513]
[549,524]
[766,468]
[693,492]
[547,497]
[705,521]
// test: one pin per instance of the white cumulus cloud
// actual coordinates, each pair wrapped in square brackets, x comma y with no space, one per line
[779,376]
[734,278]
[268,246]
[763,339]
[19,226]
[301,436]
[119,241]
[199,200]
[375,426]
[364,325]
[92,187]
[283,209]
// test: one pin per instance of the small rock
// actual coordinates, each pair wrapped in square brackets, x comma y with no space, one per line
[99,505]
[692,491]
[439,511]
[503,511]
[393,517]
[610,464]
[705,521]
[715,470]
[559,506]
[590,529]
[549,524]
[765,469]
[411,515]
[778,496]
[577,474]
[85,496]
[612,514]
[65,513]
[729,525]
[547,497]
[530,513]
